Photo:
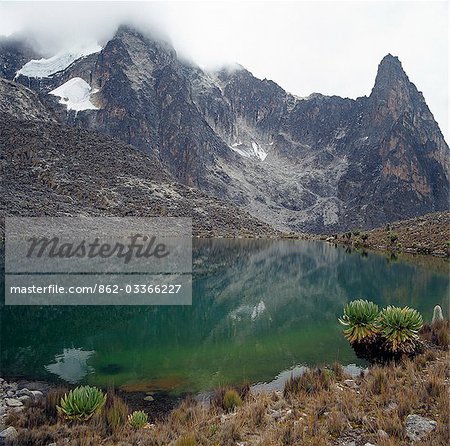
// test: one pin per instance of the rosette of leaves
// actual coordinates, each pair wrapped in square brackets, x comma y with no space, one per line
[360,317]
[138,419]
[81,403]
[399,328]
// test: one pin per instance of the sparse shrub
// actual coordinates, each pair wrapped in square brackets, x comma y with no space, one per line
[360,316]
[243,390]
[230,432]
[32,416]
[185,414]
[400,328]
[338,370]
[434,385]
[81,403]
[336,422]
[138,419]
[356,233]
[52,400]
[258,413]
[430,355]
[115,413]
[440,335]
[309,382]
[391,424]
[393,238]
[290,434]
[404,407]
[188,440]
[364,237]
[231,400]
[377,381]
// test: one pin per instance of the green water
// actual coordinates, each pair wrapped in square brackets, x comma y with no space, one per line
[259,308]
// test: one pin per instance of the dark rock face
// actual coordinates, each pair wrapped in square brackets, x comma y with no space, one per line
[50,169]
[403,170]
[319,164]
[14,53]
[21,103]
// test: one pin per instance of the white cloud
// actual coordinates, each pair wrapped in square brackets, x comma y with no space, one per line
[328,47]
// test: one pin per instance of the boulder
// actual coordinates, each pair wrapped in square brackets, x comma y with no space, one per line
[418,427]
[13,402]
[9,434]
[37,394]
[350,383]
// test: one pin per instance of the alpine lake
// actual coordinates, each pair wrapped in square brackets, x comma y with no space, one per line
[261,311]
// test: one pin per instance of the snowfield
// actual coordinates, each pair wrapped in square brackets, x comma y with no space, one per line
[253,151]
[75,94]
[47,67]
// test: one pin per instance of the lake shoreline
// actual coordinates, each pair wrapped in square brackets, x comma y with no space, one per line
[343,410]
[427,235]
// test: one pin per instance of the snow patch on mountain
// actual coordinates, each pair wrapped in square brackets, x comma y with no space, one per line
[258,310]
[254,150]
[47,67]
[75,94]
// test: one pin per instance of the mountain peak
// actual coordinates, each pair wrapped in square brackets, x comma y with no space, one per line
[392,78]
[390,71]
[390,59]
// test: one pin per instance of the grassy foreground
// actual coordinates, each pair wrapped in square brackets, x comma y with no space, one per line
[322,407]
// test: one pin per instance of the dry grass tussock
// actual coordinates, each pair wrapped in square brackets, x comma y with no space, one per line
[321,407]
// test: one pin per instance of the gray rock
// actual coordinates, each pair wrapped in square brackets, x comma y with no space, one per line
[418,427]
[13,402]
[276,414]
[370,444]
[23,398]
[149,398]
[10,393]
[33,385]
[391,406]
[350,383]
[9,434]
[25,392]
[2,410]
[37,394]
[382,434]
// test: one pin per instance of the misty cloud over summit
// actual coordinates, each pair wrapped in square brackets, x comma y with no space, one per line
[306,47]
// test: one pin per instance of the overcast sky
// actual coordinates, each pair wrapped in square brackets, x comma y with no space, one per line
[331,47]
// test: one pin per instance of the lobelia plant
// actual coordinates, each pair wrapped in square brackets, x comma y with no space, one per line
[81,403]
[381,336]
[400,328]
[138,419]
[360,316]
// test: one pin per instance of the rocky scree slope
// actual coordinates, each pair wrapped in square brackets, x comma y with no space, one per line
[52,169]
[320,163]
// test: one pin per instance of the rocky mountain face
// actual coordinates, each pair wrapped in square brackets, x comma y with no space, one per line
[15,52]
[320,163]
[51,169]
